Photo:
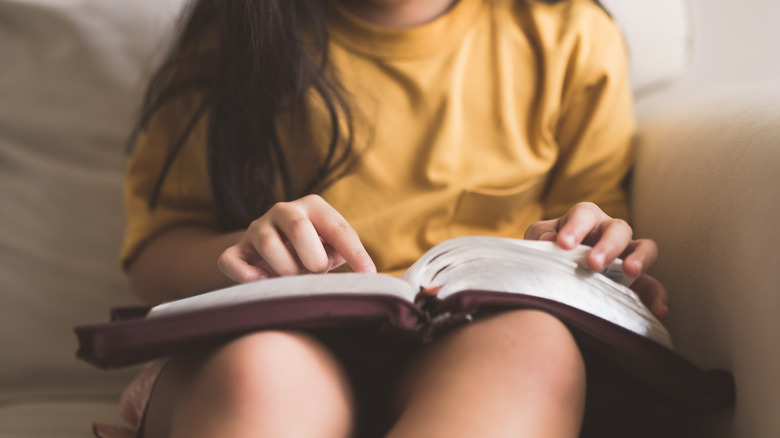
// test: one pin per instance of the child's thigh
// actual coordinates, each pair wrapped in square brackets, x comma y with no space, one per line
[507,338]
[501,350]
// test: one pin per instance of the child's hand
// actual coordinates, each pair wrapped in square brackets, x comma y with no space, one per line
[303,236]
[610,238]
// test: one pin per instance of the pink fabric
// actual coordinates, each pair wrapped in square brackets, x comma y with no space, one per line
[132,404]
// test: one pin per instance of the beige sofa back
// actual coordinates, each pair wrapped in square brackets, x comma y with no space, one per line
[71,74]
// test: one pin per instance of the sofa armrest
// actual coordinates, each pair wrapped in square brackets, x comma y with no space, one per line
[707,189]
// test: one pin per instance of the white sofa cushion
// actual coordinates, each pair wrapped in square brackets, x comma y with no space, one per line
[71,73]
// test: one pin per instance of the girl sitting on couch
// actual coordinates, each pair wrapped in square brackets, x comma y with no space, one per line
[290,137]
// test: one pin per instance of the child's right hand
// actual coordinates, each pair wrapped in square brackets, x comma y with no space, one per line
[303,236]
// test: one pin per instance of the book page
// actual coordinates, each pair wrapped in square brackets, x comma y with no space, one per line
[292,286]
[533,268]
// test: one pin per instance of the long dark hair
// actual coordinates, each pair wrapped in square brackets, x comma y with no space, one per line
[267,55]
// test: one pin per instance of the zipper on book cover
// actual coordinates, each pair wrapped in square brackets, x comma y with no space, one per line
[443,320]
[427,327]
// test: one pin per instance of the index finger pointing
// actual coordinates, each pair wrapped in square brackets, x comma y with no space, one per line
[336,232]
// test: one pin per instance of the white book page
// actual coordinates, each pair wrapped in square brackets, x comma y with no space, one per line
[534,268]
[299,285]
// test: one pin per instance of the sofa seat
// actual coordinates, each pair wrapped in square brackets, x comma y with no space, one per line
[61,419]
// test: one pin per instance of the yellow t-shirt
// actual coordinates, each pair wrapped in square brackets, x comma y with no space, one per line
[493,116]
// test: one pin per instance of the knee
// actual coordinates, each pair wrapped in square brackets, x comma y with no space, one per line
[268,371]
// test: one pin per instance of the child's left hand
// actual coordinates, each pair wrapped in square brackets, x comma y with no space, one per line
[610,238]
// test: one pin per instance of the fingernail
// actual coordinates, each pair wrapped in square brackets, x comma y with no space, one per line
[568,240]
[598,257]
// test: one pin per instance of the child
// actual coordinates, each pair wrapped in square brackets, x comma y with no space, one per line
[289,137]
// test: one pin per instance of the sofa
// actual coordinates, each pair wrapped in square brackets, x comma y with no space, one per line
[706,187]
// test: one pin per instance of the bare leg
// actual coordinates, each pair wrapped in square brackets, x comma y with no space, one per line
[272,384]
[515,374]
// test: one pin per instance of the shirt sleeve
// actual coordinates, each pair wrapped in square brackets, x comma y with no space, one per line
[185,196]
[595,135]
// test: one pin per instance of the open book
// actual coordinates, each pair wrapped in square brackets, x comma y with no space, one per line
[452,284]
